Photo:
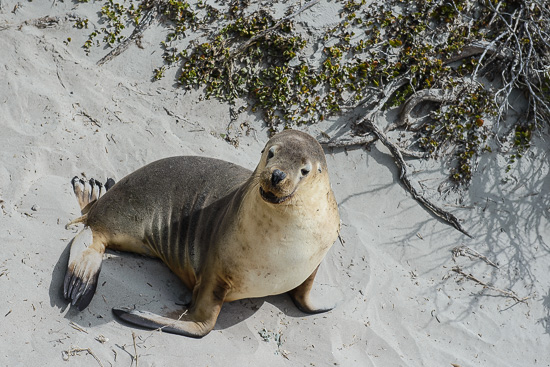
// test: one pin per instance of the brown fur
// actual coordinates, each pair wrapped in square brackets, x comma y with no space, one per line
[228,233]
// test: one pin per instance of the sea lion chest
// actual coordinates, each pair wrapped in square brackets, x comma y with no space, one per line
[277,248]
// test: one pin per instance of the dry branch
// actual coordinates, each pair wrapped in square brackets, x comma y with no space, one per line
[76,327]
[397,153]
[506,293]
[398,157]
[135,357]
[437,95]
[348,140]
[524,34]
[145,22]
[480,47]
[471,253]
[424,95]
[74,351]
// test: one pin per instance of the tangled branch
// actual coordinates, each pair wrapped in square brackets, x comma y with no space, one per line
[525,40]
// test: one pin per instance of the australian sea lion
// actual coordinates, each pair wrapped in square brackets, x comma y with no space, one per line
[228,233]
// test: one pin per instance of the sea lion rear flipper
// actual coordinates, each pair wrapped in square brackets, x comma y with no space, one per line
[198,321]
[83,269]
[87,192]
[301,296]
[110,183]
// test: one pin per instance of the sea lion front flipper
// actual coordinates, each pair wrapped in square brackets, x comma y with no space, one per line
[149,320]
[198,321]
[301,296]
[83,269]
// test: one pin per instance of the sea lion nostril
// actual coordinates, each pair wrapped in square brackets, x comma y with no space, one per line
[277,176]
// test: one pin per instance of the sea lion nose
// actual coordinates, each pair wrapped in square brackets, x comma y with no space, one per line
[277,176]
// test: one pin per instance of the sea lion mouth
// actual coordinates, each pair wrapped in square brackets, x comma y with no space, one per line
[272,198]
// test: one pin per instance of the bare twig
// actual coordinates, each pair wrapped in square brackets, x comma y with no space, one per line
[506,293]
[135,357]
[466,251]
[92,119]
[172,114]
[348,140]
[74,351]
[76,327]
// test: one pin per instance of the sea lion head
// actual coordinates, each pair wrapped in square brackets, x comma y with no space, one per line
[291,160]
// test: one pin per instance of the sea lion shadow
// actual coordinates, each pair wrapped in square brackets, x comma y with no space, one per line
[235,312]
[232,313]
[172,293]
[56,284]
[238,311]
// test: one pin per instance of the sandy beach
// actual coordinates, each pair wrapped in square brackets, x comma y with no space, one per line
[400,303]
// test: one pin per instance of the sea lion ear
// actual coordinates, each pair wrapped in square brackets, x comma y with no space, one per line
[263,150]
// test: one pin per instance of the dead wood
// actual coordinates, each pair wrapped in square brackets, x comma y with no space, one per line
[400,162]
[506,293]
[145,22]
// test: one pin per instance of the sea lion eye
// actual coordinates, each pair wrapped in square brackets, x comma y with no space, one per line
[306,170]
[271,153]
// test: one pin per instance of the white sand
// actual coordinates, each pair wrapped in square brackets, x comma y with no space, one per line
[400,303]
